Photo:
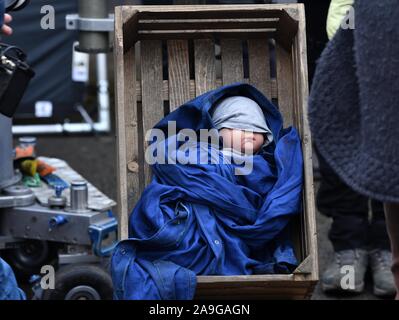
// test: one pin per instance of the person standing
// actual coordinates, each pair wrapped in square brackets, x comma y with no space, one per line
[357,240]
[353,116]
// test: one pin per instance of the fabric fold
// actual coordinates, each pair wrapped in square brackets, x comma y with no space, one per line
[203,219]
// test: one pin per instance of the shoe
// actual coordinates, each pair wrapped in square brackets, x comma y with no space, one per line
[384,282]
[337,276]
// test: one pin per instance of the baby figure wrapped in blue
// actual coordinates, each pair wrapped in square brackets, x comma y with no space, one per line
[227,216]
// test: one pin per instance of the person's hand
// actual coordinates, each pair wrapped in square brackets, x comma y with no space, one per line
[6,29]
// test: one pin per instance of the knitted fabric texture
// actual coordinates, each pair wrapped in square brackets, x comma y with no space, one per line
[353,107]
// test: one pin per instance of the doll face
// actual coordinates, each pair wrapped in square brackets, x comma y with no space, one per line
[246,142]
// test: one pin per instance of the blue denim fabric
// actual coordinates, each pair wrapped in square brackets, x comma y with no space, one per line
[203,219]
[8,285]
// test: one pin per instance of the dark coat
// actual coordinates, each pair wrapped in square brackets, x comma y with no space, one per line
[354,103]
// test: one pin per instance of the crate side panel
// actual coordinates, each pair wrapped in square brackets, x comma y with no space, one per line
[302,93]
[127,136]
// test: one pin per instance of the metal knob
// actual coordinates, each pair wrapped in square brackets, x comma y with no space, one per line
[79,195]
[57,200]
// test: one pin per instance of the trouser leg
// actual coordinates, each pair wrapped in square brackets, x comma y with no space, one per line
[348,209]
[378,235]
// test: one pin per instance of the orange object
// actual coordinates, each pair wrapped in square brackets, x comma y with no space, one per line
[43,169]
[26,152]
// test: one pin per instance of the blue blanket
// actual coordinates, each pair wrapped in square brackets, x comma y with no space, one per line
[204,219]
[8,285]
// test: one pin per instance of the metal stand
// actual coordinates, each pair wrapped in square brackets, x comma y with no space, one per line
[11,193]
[94,25]
[7,176]
[103,124]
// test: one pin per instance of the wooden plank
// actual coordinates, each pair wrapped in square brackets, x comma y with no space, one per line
[219,82]
[179,73]
[259,65]
[285,84]
[126,124]
[301,68]
[251,290]
[151,84]
[225,280]
[232,61]
[210,12]
[206,34]
[198,24]
[256,291]
[300,230]
[222,296]
[272,283]
[186,2]
[205,66]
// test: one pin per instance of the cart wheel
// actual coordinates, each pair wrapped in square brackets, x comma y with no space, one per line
[80,282]
[30,256]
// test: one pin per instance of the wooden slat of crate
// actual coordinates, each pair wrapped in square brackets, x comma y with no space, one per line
[271,17]
[285,80]
[220,296]
[152,82]
[205,66]
[219,82]
[179,73]
[259,65]
[279,12]
[309,228]
[262,280]
[205,34]
[198,24]
[281,290]
[253,291]
[255,286]
[126,119]
[232,61]
[207,12]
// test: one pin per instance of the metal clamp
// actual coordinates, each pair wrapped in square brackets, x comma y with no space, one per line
[75,22]
[99,232]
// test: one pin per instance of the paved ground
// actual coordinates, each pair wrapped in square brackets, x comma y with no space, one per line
[94,158]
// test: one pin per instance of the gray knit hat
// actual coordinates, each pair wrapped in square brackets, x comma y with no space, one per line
[241,113]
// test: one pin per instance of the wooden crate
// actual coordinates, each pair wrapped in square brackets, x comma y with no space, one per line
[167,55]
